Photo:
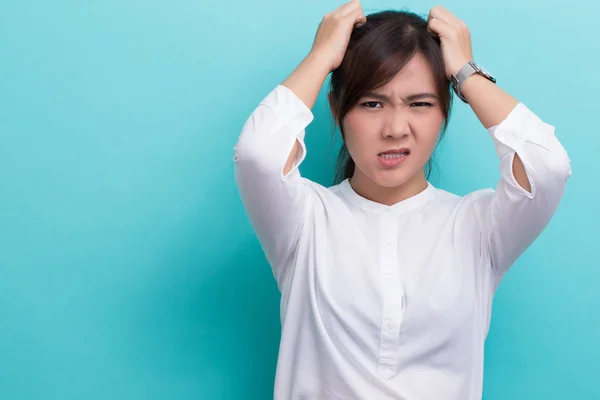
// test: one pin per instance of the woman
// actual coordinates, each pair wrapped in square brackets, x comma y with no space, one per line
[386,281]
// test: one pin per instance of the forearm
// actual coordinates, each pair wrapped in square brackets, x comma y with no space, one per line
[490,103]
[511,219]
[307,79]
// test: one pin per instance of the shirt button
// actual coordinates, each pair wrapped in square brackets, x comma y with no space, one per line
[390,326]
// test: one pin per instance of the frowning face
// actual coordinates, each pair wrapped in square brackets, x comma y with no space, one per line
[392,132]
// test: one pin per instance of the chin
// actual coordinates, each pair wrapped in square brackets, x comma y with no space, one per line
[391,179]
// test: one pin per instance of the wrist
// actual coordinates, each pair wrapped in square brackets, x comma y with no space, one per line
[468,73]
[319,62]
[473,83]
[307,79]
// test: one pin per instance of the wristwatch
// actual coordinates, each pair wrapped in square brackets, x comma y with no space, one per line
[469,69]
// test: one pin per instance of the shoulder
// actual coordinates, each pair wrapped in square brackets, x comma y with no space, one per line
[320,193]
[468,207]
[452,199]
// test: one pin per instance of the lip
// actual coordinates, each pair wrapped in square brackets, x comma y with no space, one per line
[394,151]
[392,162]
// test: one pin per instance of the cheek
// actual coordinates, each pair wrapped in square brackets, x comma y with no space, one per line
[362,133]
[430,129]
[359,131]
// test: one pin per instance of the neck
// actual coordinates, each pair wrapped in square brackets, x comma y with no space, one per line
[367,188]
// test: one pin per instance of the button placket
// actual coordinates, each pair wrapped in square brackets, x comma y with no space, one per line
[392,298]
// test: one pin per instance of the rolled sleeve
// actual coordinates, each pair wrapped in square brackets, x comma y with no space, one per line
[511,217]
[274,202]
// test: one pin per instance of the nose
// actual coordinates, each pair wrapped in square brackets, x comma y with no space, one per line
[396,124]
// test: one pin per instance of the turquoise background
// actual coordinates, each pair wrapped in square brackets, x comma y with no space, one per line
[128,269]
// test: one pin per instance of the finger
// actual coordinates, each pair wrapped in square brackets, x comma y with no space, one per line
[445,15]
[360,20]
[430,18]
[348,8]
[358,16]
[339,10]
[439,27]
[443,10]
[438,13]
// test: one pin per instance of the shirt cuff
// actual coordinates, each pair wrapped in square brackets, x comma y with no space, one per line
[288,107]
[520,125]
[292,113]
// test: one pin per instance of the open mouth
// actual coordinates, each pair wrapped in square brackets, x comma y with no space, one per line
[394,155]
[391,158]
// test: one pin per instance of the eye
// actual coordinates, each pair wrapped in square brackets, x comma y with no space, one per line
[422,104]
[371,104]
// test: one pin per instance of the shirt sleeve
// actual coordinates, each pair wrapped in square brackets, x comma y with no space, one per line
[512,218]
[274,202]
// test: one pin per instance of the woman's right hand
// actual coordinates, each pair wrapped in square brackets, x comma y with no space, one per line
[327,53]
[333,34]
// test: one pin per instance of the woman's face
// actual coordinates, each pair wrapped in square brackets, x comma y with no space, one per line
[405,114]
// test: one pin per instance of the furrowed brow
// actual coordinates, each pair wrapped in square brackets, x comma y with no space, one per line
[412,97]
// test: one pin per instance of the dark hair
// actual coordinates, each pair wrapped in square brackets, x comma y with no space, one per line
[377,51]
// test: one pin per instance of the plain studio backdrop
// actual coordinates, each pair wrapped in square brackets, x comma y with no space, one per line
[128,268]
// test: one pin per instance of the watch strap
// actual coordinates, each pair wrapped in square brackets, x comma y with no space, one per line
[466,71]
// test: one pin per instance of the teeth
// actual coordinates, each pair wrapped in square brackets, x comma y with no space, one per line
[394,155]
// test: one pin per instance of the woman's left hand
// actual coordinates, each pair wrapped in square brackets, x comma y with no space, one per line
[454,36]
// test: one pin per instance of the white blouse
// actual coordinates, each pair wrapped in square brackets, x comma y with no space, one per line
[388,302]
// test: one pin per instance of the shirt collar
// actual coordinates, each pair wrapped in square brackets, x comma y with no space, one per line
[395,209]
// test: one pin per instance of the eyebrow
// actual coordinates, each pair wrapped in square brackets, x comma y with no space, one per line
[412,97]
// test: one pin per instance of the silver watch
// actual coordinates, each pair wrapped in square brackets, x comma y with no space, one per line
[469,69]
